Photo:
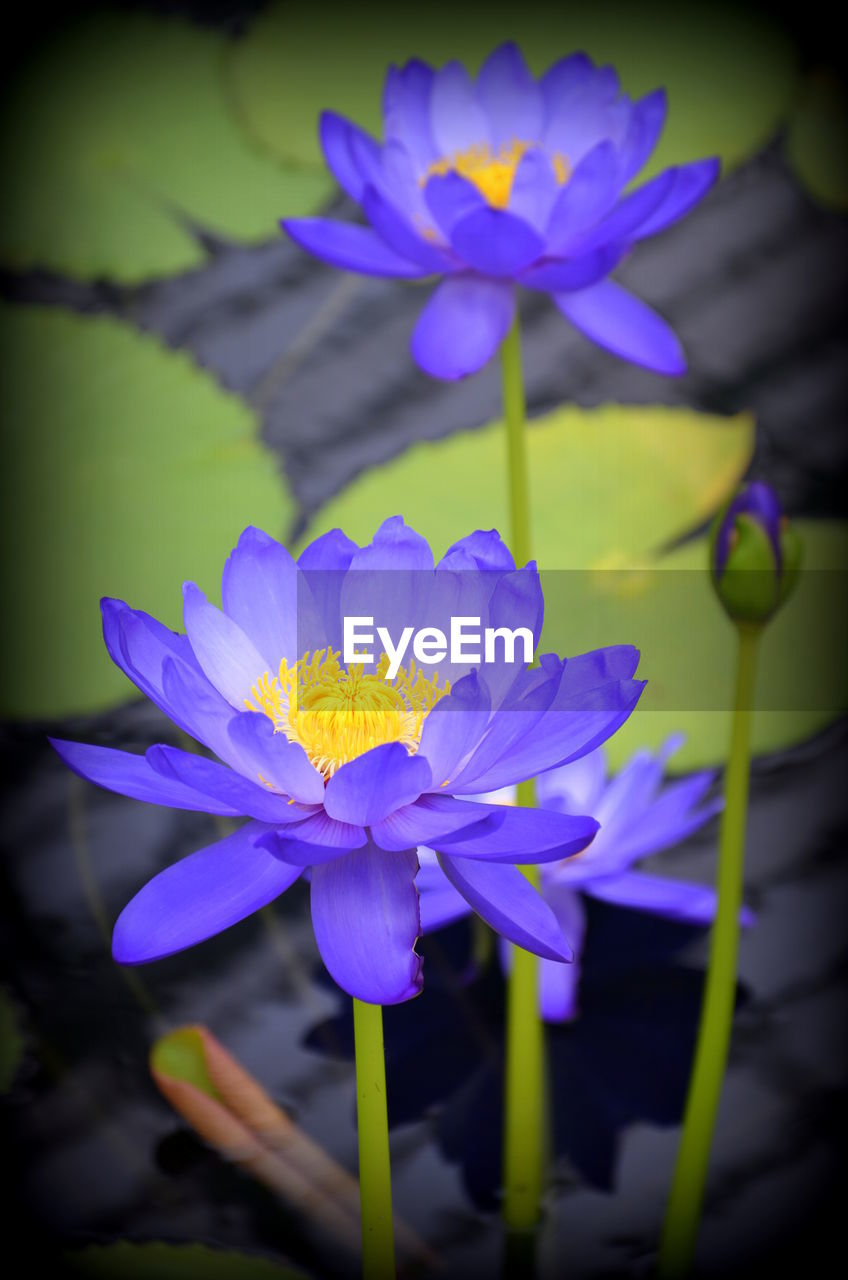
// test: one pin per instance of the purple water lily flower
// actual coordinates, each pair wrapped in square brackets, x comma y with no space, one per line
[638,817]
[503,182]
[343,772]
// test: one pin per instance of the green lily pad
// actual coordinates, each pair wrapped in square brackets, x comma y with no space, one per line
[11,1042]
[817,139]
[668,609]
[730,75]
[127,471]
[607,486]
[127,1260]
[118,133]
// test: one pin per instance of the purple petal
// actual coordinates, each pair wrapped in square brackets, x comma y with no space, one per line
[399,235]
[759,501]
[259,592]
[576,273]
[496,242]
[508,902]
[559,983]
[486,548]
[318,839]
[195,701]
[534,189]
[668,819]
[576,787]
[228,658]
[625,326]
[691,183]
[366,921]
[372,786]
[439,903]
[270,755]
[428,820]
[454,727]
[349,247]
[200,896]
[334,550]
[587,196]
[626,219]
[457,120]
[563,79]
[394,547]
[647,119]
[133,776]
[336,141]
[215,780]
[140,645]
[672,899]
[462,326]
[450,198]
[510,96]
[521,836]
[406,109]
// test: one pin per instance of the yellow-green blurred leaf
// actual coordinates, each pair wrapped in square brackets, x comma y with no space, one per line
[607,485]
[114,134]
[127,471]
[181,1055]
[730,75]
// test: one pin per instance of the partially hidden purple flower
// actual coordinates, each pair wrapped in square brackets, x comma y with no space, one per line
[755,556]
[501,182]
[343,772]
[638,816]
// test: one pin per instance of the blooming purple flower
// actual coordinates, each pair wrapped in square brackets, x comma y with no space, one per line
[345,773]
[637,817]
[503,182]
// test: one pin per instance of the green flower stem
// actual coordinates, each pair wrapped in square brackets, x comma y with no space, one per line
[375,1179]
[683,1215]
[515,413]
[524,1101]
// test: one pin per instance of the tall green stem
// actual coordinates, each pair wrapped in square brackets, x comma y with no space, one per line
[515,413]
[524,1102]
[683,1215]
[375,1179]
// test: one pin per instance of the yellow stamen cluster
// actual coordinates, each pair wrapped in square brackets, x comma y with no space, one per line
[493,172]
[337,714]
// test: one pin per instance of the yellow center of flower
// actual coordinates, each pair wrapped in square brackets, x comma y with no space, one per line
[493,172]
[337,714]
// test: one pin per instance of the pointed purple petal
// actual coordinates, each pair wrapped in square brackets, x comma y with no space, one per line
[259,592]
[576,273]
[351,248]
[133,776]
[336,141]
[372,786]
[200,896]
[625,326]
[366,921]
[406,109]
[450,198]
[454,727]
[588,195]
[509,96]
[508,902]
[318,839]
[215,780]
[462,326]
[427,821]
[691,184]
[496,242]
[270,755]
[457,120]
[228,658]
[401,237]
[534,189]
[625,220]
[521,836]
[672,899]
[647,119]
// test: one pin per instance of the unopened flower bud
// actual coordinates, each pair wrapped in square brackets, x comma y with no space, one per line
[755,555]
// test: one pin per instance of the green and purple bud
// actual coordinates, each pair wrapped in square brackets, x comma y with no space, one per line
[755,555]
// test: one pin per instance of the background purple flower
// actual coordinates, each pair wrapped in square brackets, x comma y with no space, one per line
[501,182]
[638,817]
[324,794]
